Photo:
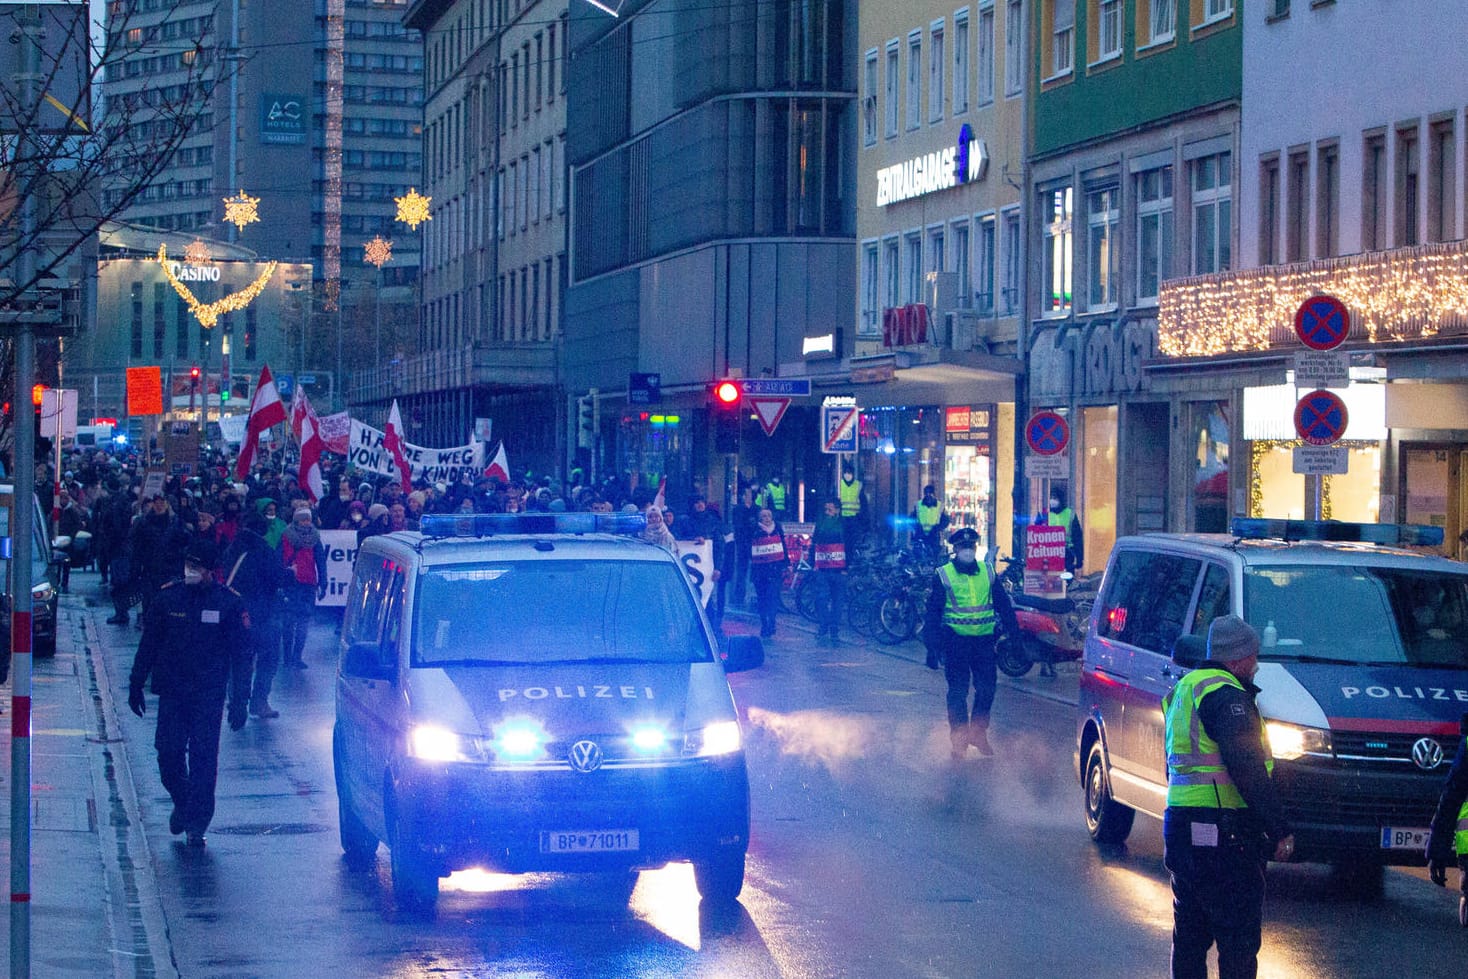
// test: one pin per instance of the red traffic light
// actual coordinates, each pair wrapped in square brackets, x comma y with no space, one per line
[727,393]
[37,393]
[194,373]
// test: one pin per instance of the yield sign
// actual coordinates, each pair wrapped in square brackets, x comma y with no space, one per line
[1320,418]
[769,411]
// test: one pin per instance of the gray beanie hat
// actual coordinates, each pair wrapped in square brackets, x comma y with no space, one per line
[1231,639]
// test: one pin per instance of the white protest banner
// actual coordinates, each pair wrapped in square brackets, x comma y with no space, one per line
[367,454]
[336,431]
[232,428]
[698,563]
[341,554]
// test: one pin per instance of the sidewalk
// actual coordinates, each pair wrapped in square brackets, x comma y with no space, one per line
[87,850]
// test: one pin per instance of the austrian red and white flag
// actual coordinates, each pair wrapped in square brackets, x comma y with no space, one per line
[393,442]
[499,466]
[266,411]
[307,429]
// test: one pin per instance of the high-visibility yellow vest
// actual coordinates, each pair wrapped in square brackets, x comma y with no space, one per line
[1460,838]
[928,517]
[1065,518]
[775,496]
[1196,774]
[970,606]
[850,494]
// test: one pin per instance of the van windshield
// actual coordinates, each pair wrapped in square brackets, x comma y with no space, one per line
[537,612]
[1369,615]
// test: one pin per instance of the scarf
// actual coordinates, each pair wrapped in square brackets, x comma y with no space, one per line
[302,538]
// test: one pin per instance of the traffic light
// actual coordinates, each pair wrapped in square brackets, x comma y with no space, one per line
[38,393]
[585,422]
[193,385]
[724,398]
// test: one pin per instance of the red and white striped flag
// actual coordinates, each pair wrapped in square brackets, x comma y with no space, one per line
[266,411]
[499,466]
[307,429]
[393,442]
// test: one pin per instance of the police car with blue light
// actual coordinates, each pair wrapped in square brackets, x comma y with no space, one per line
[536,692]
[1363,675]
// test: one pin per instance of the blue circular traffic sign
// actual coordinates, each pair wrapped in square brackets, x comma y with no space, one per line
[1321,418]
[1047,433]
[1322,322]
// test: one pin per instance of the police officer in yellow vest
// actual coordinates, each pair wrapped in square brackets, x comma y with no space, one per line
[930,518]
[848,492]
[1449,837]
[964,608]
[1061,515]
[1224,819]
[774,497]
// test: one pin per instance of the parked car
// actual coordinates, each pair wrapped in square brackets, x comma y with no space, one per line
[1363,673]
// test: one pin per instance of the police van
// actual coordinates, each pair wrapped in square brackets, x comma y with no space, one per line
[536,692]
[1363,671]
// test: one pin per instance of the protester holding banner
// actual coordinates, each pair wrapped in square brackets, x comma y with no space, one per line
[302,552]
[829,543]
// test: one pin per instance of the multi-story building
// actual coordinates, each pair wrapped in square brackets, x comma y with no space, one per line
[940,163]
[495,251]
[1353,186]
[314,110]
[713,222]
[1132,181]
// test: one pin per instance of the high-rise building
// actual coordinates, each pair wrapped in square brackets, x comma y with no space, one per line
[314,109]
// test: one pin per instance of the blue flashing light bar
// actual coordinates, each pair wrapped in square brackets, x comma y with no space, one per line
[441,525]
[1393,535]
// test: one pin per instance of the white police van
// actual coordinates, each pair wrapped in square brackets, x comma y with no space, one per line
[1363,673]
[536,692]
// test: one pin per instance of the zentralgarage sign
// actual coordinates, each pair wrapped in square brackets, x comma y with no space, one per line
[965,163]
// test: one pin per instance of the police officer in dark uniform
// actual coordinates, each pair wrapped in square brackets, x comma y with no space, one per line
[1447,844]
[196,647]
[967,611]
[1224,819]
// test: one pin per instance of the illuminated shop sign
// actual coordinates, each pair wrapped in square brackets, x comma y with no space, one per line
[965,163]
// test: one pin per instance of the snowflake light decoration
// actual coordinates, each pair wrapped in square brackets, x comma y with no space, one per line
[197,253]
[242,210]
[377,252]
[413,208]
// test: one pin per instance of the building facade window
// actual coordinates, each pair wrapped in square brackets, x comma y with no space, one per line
[984,280]
[937,65]
[1156,21]
[914,80]
[1014,48]
[1216,10]
[1154,231]
[1408,188]
[1062,37]
[960,62]
[1374,195]
[962,263]
[891,273]
[894,82]
[1327,201]
[1213,213]
[1108,30]
[1441,183]
[937,251]
[1269,210]
[984,62]
[1297,208]
[913,266]
[1057,213]
[1103,218]
[1009,292]
[870,312]
[869,99]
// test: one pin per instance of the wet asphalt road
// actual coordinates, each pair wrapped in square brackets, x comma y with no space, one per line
[871,856]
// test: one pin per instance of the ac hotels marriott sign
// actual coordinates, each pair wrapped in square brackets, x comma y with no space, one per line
[967,162]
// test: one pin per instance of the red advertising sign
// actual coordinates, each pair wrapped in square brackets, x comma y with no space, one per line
[1044,560]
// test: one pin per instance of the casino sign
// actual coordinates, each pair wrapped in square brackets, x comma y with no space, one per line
[965,163]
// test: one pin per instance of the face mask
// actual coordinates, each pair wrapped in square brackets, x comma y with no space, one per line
[848,477]
[1054,506]
[193,576]
[966,555]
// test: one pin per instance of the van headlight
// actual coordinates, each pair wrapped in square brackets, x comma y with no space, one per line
[1290,741]
[718,738]
[429,742]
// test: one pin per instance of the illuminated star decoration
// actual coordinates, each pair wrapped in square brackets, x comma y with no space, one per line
[377,252]
[208,313]
[197,253]
[413,208]
[242,210]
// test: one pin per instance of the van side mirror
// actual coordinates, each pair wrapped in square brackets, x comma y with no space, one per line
[744,653]
[364,659]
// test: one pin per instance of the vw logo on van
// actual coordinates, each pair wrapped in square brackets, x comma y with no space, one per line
[586,756]
[1427,754]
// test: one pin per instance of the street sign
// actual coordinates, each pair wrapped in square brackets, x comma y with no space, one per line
[285,385]
[58,412]
[1321,460]
[308,380]
[776,387]
[644,389]
[1322,322]
[482,428]
[1322,369]
[839,424]
[1047,467]
[1321,418]
[769,411]
[1047,434]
